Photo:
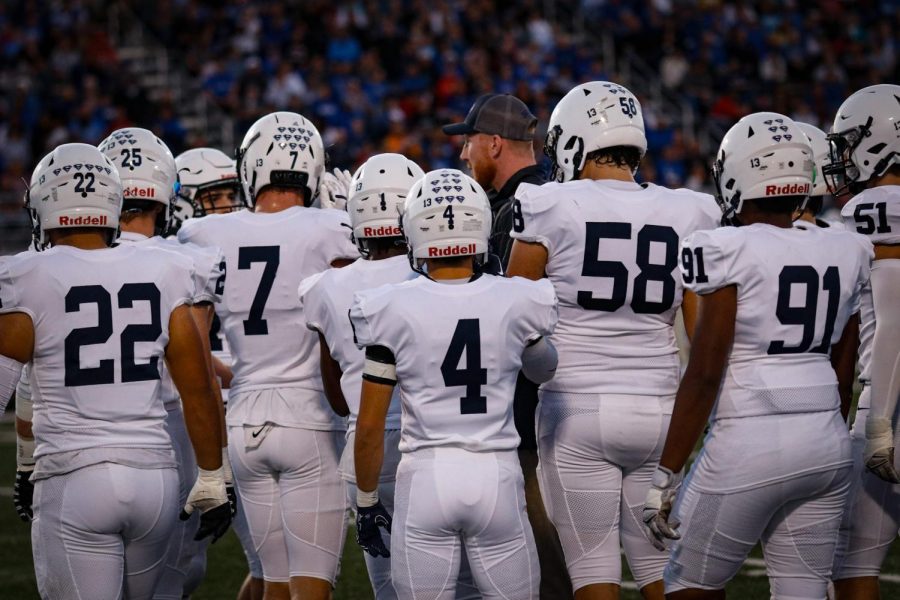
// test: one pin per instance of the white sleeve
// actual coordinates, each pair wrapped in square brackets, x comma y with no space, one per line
[885,367]
[209,274]
[532,214]
[706,258]
[311,301]
[539,361]
[337,244]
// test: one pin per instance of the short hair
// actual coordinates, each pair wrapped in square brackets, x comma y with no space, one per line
[132,207]
[778,206]
[620,156]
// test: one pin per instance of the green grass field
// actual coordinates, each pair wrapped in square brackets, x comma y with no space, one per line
[226,566]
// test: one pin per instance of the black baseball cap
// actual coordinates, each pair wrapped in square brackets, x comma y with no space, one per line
[497,114]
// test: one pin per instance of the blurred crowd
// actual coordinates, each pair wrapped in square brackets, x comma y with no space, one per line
[383,75]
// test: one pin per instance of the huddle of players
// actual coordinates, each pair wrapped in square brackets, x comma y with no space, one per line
[425,365]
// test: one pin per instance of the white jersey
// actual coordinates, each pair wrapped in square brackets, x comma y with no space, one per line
[796,291]
[326,300]
[613,258]
[874,213]
[101,323]
[267,256]
[209,283]
[458,350]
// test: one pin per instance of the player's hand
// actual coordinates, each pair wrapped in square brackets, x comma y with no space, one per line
[209,497]
[658,507]
[334,189]
[230,490]
[23,494]
[879,452]
[368,520]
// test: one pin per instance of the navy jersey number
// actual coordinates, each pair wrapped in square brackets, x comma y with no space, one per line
[806,314]
[866,222]
[104,372]
[271,256]
[618,272]
[466,338]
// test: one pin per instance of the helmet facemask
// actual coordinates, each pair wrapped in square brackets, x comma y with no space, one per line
[841,173]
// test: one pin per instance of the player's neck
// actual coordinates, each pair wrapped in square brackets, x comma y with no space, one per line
[83,238]
[272,201]
[601,171]
[807,216]
[142,224]
[889,178]
[506,169]
[751,215]
[382,253]
[449,268]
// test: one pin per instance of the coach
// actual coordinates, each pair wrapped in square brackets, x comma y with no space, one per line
[498,149]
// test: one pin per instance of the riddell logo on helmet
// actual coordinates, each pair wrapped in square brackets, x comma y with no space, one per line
[452,251]
[139,192]
[791,189]
[383,231]
[82,220]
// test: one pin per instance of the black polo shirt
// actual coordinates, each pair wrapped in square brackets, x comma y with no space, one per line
[526,398]
[501,206]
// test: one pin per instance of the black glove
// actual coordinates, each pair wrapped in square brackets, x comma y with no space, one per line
[232,498]
[214,522]
[23,494]
[368,520]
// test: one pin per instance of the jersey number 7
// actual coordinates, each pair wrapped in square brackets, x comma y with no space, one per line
[271,256]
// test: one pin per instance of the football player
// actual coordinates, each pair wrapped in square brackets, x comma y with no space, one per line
[147,170]
[775,340]
[283,436]
[454,341]
[610,247]
[865,161]
[208,184]
[810,215]
[95,323]
[379,188]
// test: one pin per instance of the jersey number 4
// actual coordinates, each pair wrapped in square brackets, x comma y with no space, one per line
[104,372]
[466,338]
[271,256]
[618,272]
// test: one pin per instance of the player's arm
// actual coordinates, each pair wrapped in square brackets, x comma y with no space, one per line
[16,349]
[191,373]
[331,379]
[190,370]
[693,404]
[223,372]
[527,259]
[689,312]
[700,384]
[379,379]
[843,361]
[885,368]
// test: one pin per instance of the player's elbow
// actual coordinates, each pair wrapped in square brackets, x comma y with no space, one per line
[539,361]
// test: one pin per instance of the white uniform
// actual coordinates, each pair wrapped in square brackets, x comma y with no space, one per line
[326,300]
[458,352]
[101,321]
[778,403]
[873,515]
[283,436]
[186,559]
[613,256]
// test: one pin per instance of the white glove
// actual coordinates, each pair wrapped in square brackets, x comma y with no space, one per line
[658,506]
[208,491]
[334,189]
[879,452]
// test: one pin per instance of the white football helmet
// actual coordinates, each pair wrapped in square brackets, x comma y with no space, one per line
[283,149]
[74,186]
[592,116]
[865,138]
[819,143]
[201,169]
[377,193]
[446,214]
[764,155]
[146,166]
